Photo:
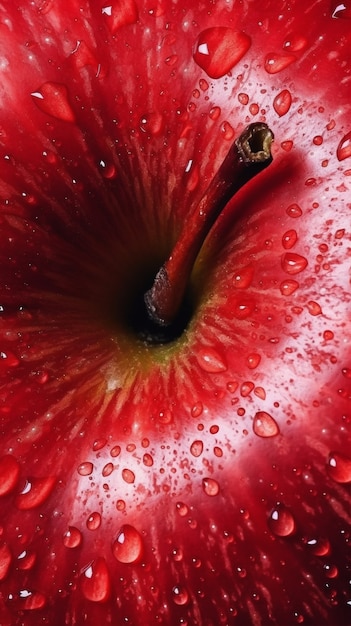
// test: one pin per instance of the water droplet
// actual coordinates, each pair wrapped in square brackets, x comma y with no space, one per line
[5,560]
[210,486]
[215,113]
[197,409]
[108,170]
[328,335]
[120,13]
[341,9]
[151,123]
[34,493]
[95,581]
[275,63]
[85,469]
[318,140]
[295,43]
[314,308]
[287,287]
[287,145]
[128,545]
[115,451]
[210,360]
[281,521]
[180,595]
[319,546]
[26,560]
[171,60]
[177,554]
[246,388]
[289,239]
[293,263]
[128,476]
[94,521]
[182,509]
[243,277]
[52,98]
[148,460]
[120,505]
[72,538]
[27,600]
[8,359]
[165,416]
[99,444]
[294,210]
[253,360]
[339,467]
[108,469]
[260,393]
[219,49]
[264,425]
[243,98]
[227,131]
[331,571]
[9,473]
[344,148]
[196,448]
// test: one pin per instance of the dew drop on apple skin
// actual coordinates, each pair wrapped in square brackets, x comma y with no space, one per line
[95,581]
[319,546]
[94,521]
[218,49]
[26,560]
[294,210]
[72,538]
[288,287]
[128,545]
[180,595]
[196,448]
[289,239]
[9,473]
[210,360]
[281,521]
[27,600]
[210,487]
[264,425]
[34,493]
[85,469]
[339,467]
[52,98]
[293,263]
[344,148]
[275,63]
[182,509]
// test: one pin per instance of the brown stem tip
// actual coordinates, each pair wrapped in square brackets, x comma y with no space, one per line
[249,155]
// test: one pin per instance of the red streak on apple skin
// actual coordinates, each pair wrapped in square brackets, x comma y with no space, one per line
[236,507]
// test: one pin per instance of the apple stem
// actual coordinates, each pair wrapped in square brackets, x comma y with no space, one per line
[248,155]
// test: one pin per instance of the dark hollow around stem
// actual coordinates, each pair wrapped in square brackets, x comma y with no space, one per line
[166,307]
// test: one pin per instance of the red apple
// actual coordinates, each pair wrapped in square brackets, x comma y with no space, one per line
[204,480]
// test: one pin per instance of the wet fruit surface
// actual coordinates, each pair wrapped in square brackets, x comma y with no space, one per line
[206,481]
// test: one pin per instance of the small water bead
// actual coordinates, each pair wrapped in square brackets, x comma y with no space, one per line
[203,84]
[120,505]
[339,467]
[210,486]
[35,492]
[232,386]
[26,560]
[95,581]
[253,360]
[85,469]
[264,425]
[260,393]
[214,429]
[243,98]
[217,451]
[215,113]
[52,98]
[319,546]
[287,287]
[295,43]
[117,16]
[246,388]
[281,521]
[148,460]
[287,145]
[344,148]
[128,545]
[180,595]
[151,123]
[94,521]
[219,49]
[243,277]
[254,108]
[128,476]
[107,469]
[115,451]
[197,409]
[5,560]
[9,473]
[282,102]
[314,308]
[289,239]
[293,263]
[294,210]
[108,170]
[211,361]
[99,444]
[275,63]
[171,60]
[182,509]
[177,554]
[328,335]
[72,538]
[331,571]
[227,131]
[196,448]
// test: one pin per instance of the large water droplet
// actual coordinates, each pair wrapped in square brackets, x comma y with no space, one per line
[72,538]
[294,210]
[9,473]
[293,263]
[287,287]
[281,521]
[26,560]
[196,448]
[28,600]
[180,595]
[85,469]
[5,560]
[219,49]
[289,239]
[264,425]
[282,102]
[128,476]
[210,360]
[128,545]
[210,486]
[52,98]
[94,521]
[339,467]
[275,63]
[34,493]
[319,546]
[95,581]
[344,148]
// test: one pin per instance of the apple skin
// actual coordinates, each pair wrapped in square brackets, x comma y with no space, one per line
[205,482]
